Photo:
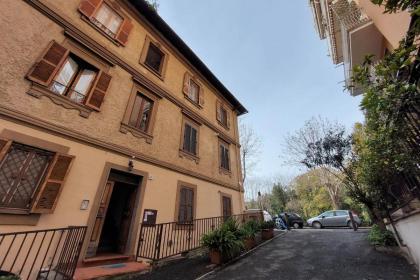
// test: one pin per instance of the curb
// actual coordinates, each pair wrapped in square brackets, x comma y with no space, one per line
[218,268]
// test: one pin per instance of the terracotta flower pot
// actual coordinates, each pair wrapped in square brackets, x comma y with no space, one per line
[249,243]
[267,234]
[215,256]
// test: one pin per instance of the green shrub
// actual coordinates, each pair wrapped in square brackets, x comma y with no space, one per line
[227,239]
[378,237]
[10,277]
[249,229]
[267,224]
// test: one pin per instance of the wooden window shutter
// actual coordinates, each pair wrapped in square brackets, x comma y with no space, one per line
[45,69]
[186,85]
[97,94]
[218,111]
[4,147]
[88,7]
[125,29]
[48,194]
[228,118]
[201,97]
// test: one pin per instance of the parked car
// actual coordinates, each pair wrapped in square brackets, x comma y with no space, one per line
[267,217]
[294,219]
[333,218]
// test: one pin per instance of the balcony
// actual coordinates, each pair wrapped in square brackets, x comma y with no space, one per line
[359,37]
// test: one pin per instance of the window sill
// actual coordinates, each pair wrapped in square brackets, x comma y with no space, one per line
[225,171]
[153,71]
[223,125]
[193,102]
[9,219]
[125,128]
[112,39]
[14,211]
[188,155]
[38,91]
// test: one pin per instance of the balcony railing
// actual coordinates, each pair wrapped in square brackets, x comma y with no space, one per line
[349,14]
[41,254]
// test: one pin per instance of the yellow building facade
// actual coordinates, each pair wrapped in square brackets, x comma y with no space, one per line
[105,116]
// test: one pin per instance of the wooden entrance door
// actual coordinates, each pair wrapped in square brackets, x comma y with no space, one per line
[126,222]
[100,219]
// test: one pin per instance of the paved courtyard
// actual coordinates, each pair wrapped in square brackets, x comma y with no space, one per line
[319,255]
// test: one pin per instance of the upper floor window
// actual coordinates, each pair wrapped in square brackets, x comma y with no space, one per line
[74,79]
[106,18]
[222,115]
[192,90]
[224,156]
[154,58]
[30,178]
[63,73]
[141,113]
[190,138]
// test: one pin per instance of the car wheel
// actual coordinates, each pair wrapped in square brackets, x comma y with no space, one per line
[295,225]
[316,225]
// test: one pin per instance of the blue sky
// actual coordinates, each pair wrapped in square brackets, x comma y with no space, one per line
[268,54]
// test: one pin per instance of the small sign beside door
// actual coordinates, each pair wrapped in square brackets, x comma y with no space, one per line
[149,217]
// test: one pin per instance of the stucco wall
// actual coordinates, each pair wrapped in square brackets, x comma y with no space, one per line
[84,181]
[24,38]
[393,26]
[409,230]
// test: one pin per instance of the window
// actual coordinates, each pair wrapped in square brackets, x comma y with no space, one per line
[226,206]
[222,115]
[190,139]
[341,213]
[224,156]
[62,73]
[154,58]
[30,178]
[186,205]
[74,80]
[141,113]
[328,214]
[107,20]
[192,90]
[21,171]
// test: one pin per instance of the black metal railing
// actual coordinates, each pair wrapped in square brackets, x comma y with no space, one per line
[41,254]
[160,241]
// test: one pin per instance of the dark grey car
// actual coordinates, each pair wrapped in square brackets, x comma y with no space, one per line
[333,218]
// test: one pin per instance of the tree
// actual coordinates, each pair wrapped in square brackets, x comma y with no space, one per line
[250,149]
[153,4]
[296,145]
[334,151]
[279,198]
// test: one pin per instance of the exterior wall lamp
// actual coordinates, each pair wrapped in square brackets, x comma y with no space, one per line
[131,164]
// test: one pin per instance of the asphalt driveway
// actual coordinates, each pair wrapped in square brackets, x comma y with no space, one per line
[319,255]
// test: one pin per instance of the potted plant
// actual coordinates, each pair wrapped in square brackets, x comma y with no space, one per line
[267,229]
[248,232]
[223,243]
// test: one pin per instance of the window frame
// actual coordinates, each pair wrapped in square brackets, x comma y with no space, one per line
[226,145]
[186,87]
[39,180]
[125,127]
[184,153]
[38,90]
[116,9]
[229,196]
[223,108]
[181,185]
[161,73]
[53,148]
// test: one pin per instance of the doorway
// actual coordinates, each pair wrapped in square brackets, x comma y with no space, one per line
[114,217]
